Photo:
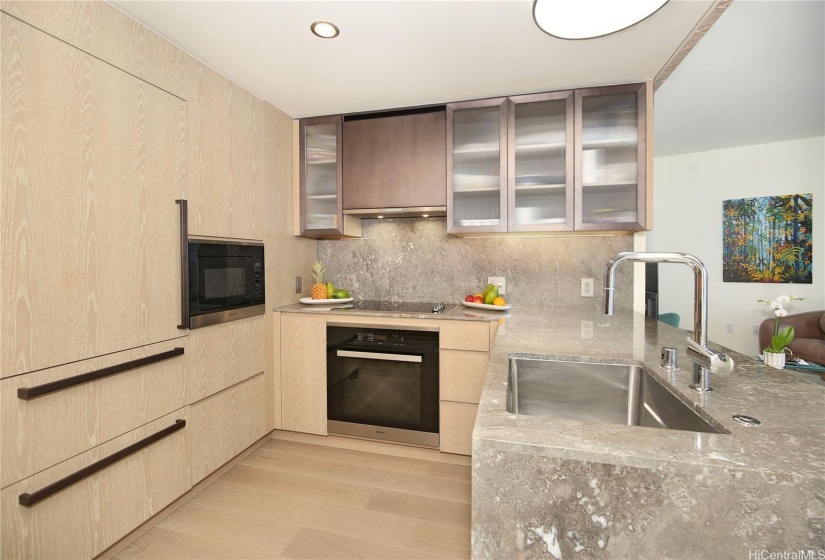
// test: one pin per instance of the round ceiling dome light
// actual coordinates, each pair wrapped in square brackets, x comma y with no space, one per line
[325,29]
[586,19]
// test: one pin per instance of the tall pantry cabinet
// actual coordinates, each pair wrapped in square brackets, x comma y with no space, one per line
[109,411]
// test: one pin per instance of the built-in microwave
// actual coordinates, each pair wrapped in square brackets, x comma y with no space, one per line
[226,281]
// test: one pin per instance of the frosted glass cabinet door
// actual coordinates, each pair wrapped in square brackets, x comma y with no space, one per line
[540,162]
[477,166]
[321,167]
[611,149]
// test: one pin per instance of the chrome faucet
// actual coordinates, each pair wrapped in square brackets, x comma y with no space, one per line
[705,360]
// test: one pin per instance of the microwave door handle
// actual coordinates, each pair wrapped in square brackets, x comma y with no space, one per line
[184,264]
[377,356]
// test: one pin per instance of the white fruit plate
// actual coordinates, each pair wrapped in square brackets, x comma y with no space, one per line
[485,306]
[310,301]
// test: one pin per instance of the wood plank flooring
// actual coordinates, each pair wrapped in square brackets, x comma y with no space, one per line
[323,498]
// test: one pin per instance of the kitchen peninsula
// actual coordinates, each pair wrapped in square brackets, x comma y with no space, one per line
[572,488]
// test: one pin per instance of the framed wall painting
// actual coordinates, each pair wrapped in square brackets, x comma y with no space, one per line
[768,239]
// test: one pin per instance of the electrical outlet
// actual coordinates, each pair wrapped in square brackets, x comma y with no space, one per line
[298,285]
[728,328]
[499,282]
[587,287]
[756,330]
[587,330]
[352,282]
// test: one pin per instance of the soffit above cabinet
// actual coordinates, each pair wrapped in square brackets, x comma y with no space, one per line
[407,53]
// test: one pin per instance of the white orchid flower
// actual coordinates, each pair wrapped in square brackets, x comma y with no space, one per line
[784,299]
[776,305]
[781,312]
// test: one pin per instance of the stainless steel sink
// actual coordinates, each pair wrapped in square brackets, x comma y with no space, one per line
[598,392]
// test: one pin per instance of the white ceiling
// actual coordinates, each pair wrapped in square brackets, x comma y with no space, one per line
[402,53]
[758,76]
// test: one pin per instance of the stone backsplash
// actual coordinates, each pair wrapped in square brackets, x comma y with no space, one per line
[405,259]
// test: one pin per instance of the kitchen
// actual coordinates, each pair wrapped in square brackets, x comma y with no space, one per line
[234,157]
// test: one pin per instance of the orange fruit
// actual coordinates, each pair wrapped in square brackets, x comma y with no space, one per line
[478,295]
[499,301]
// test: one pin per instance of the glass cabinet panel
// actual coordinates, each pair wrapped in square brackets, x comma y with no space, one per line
[321,175]
[609,160]
[541,163]
[477,153]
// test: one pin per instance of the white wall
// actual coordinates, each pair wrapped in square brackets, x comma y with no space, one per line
[689,190]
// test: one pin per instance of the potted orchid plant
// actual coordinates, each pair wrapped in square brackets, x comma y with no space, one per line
[775,353]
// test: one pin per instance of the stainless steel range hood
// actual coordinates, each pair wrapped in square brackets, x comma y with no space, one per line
[412,212]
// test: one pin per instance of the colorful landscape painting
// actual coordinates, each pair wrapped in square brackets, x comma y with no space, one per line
[768,239]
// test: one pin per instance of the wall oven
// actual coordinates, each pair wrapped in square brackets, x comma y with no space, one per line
[383,384]
[226,281]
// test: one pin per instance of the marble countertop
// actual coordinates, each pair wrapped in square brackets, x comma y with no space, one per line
[789,443]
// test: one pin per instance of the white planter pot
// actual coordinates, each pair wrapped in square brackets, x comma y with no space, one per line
[774,359]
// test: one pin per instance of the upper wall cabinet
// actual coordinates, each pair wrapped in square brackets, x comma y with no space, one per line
[612,186]
[225,148]
[477,166]
[559,161]
[93,161]
[320,179]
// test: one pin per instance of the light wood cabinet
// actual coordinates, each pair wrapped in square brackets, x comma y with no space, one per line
[559,161]
[224,354]
[42,431]
[457,421]
[93,161]
[225,153]
[464,358]
[304,373]
[225,424]
[90,515]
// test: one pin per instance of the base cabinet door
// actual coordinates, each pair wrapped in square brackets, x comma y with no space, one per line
[90,515]
[304,373]
[225,424]
[457,421]
[44,424]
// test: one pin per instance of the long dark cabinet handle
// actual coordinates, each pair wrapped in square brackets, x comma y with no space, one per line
[28,393]
[28,500]
[184,264]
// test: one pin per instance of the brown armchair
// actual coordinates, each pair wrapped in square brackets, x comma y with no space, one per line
[809,335]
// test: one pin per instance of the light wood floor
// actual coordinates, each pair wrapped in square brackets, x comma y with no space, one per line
[300,499]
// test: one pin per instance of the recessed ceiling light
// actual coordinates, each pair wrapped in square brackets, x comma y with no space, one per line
[586,19]
[425,215]
[324,29]
[380,216]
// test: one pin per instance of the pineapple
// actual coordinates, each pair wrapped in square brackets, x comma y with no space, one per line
[319,288]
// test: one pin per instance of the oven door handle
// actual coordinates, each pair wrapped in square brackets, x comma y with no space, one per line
[377,356]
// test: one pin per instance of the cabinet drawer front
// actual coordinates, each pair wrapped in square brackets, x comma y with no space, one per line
[92,514]
[43,431]
[462,375]
[465,336]
[457,421]
[225,354]
[90,226]
[225,424]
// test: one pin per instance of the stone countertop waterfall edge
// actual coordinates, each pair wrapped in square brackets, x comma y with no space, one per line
[789,443]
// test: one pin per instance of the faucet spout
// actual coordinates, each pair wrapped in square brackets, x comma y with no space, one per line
[700,308]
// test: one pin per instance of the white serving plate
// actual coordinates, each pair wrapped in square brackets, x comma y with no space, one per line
[485,306]
[310,301]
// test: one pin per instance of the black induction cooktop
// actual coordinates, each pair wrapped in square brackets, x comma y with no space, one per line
[401,306]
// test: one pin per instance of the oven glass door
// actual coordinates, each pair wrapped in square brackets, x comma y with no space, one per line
[394,389]
[224,281]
